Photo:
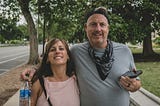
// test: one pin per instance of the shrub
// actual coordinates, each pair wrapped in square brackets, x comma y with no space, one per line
[157,40]
[16,42]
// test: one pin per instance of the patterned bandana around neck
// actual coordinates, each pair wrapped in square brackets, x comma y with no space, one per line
[104,63]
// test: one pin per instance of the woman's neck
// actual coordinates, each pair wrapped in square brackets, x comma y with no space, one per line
[59,73]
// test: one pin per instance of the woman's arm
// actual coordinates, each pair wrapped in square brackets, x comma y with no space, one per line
[35,93]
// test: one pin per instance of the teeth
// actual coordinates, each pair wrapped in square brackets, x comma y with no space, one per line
[57,57]
[97,34]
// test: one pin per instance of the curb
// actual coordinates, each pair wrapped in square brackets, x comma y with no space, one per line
[150,95]
[143,97]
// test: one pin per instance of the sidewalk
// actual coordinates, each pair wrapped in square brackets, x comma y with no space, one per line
[140,98]
[13,101]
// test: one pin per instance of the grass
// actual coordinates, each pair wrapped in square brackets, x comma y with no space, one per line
[151,73]
[151,76]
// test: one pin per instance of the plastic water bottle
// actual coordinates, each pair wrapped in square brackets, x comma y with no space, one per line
[24,94]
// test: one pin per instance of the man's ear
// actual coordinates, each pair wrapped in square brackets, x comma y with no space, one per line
[108,28]
[85,26]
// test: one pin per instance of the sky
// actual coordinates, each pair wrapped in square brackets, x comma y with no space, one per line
[22,20]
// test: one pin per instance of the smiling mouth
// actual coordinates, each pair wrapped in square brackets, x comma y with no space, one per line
[58,57]
[97,34]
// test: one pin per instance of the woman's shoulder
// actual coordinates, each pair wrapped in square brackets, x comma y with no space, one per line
[36,88]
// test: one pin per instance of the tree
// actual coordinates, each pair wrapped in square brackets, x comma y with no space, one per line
[7,29]
[11,10]
[61,18]
[33,57]
[8,19]
[142,17]
[23,29]
[150,17]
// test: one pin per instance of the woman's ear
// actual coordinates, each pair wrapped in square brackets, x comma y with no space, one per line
[47,60]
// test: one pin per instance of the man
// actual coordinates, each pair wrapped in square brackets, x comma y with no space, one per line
[100,64]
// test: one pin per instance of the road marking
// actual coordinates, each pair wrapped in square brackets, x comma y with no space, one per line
[3,69]
[12,55]
[7,70]
[12,59]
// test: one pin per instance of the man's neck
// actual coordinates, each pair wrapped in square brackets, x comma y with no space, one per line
[100,46]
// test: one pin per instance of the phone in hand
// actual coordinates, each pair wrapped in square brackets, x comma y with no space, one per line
[133,74]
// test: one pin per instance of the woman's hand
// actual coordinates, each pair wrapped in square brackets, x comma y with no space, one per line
[27,74]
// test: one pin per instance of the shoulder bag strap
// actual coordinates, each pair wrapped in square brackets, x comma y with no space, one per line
[41,80]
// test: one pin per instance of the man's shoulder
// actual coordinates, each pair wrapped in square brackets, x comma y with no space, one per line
[117,44]
[121,47]
[79,45]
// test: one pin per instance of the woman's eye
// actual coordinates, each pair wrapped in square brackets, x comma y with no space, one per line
[54,49]
[51,50]
[61,49]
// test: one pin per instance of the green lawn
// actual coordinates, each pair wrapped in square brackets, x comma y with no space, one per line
[151,73]
[151,76]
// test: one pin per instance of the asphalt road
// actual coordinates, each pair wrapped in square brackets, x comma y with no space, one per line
[11,57]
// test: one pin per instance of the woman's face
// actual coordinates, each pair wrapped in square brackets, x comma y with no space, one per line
[58,54]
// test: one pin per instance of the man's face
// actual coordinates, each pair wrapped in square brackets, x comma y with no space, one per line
[97,29]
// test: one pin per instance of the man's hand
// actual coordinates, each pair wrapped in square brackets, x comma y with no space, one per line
[130,84]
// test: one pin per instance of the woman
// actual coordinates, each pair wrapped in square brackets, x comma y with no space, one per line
[57,72]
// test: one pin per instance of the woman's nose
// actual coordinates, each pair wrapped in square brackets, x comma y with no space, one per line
[57,51]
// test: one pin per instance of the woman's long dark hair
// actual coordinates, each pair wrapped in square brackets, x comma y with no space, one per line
[44,69]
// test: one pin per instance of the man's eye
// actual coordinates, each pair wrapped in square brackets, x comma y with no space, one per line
[93,24]
[102,25]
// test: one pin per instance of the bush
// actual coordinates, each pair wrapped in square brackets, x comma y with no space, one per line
[16,42]
[157,41]
[2,40]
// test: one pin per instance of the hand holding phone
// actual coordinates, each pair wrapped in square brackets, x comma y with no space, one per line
[133,74]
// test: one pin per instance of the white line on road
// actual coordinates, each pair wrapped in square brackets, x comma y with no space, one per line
[12,59]
[3,69]
[12,55]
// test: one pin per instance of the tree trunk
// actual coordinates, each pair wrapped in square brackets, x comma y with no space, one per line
[147,46]
[33,58]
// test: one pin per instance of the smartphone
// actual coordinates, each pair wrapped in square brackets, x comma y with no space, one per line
[133,74]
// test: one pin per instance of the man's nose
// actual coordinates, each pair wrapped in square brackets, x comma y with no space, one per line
[98,27]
